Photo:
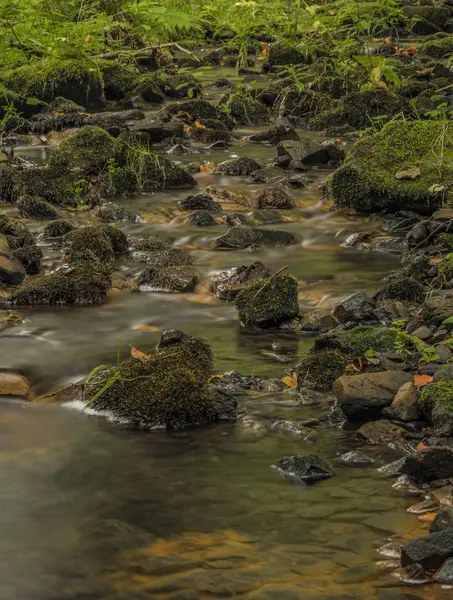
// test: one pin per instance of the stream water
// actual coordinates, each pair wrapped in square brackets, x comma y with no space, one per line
[90,511]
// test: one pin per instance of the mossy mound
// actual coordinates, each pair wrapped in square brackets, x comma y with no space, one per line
[119,79]
[149,89]
[355,342]
[319,370]
[243,166]
[169,388]
[182,279]
[212,131]
[118,239]
[15,232]
[119,181]
[76,80]
[80,283]
[31,257]
[90,240]
[180,85]
[284,53]
[57,229]
[436,401]
[441,48]
[268,302]
[274,197]
[248,237]
[34,207]
[402,288]
[360,108]
[245,109]
[305,104]
[427,18]
[370,179]
[195,110]
[55,184]
[90,148]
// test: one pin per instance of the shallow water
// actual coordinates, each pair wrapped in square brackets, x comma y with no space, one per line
[89,510]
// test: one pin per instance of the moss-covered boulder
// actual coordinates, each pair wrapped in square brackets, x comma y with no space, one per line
[320,369]
[360,108]
[88,241]
[15,232]
[149,89]
[407,165]
[10,318]
[56,184]
[245,108]
[34,207]
[439,48]
[243,166]
[30,257]
[57,229]
[304,104]
[167,388]
[195,110]
[78,283]
[436,401]
[90,148]
[182,279]
[285,53]
[401,288]
[355,342]
[274,197]
[118,181]
[212,131]
[75,79]
[119,79]
[427,18]
[268,302]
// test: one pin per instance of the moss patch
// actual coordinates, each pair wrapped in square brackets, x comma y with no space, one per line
[321,369]
[88,241]
[245,109]
[436,401]
[355,342]
[90,148]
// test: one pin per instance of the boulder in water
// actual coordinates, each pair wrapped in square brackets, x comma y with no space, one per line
[308,469]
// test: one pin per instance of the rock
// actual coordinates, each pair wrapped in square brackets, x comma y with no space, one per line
[12,272]
[393,468]
[170,337]
[356,458]
[168,257]
[225,405]
[443,520]
[157,132]
[244,108]
[412,574]
[9,318]
[356,308]
[444,353]
[436,402]
[270,175]
[297,180]
[318,321]
[303,468]
[243,166]
[319,370]
[229,283]
[244,237]
[423,333]
[405,406]
[88,241]
[418,234]
[381,432]
[445,574]
[438,308]
[443,214]
[363,397]
[57,229]
[429,551]
[109,211]
[168,388]
[404,288]
[268,302]
[274,197]
[199,202]
[33,207]
[282,130]
[409,173]
[12,384]
[30,257]
[429,464]
[224,195]
[201,218]
[181,279]
[303,151]
[356,341]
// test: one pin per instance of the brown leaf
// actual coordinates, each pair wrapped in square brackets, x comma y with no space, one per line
[290,380]
[138,354]
[199,125]
[427,517]
[409,51]
[420,380]
[421,446]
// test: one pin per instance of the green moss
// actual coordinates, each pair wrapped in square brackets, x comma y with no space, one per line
[118,239]
[80,283]
[76,80]
[31,257]
[444,240]
[321,369]
[427,19]
[57,229]
[90,148]
[305,104]
[355,342]
[436,401]
[441,48]
[244,108]
[268,302]
[213,131]
[56,184]
[360,108]
[198,110]
[284,53]
[367,181]
[402,288]
[333,117]
[9,318]
[17,235]
[169,388]
[119,181]
[119,79]
[180,85]
[88,241]
[34,207]
[182,279]
[148,86]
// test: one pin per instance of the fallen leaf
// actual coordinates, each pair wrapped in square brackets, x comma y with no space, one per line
[264,52]
[409,51]
[138,354]
[421,446]
[199,125]
[420,380]
[88,38]
[208,168]
[144,327]
[427,517]
[290,381]
[388,39]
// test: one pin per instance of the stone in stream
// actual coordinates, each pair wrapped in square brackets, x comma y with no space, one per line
[274,197]
[33,207]
[245,237]
[12,384]
[201,218]
[268,302]
[109,211]
[181,279]
[445,574]
[282,130]
[169,257]
[356,458]
[443,520]
[57,229]
[12,272]
[308,469]
[403,288]
[199,202]
[356,308]
[167,388]
[224,195]
[363,396]
[429,464]
[405,405]
[319,370]
[413,574]
[10,318]
[381,432]
[229,283]
[92,239]
[243,166]
[436,402]
[429,551]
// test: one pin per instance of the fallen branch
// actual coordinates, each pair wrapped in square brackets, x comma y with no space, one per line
[147,51]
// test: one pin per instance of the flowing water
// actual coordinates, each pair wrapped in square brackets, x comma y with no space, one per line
[89,510]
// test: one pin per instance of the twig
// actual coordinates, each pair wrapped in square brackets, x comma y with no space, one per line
[267,283]
[63,389]
[147,50]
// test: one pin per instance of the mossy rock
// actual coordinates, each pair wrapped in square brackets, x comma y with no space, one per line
[247,237]
[31,257]
[368,179]
[436,402]
[76,80]
[212,131]
[197,110]
[427,19]
[55,184]
[90,240]
[57,229]
[284,53]
[402,288]
[119,181]
[180,85]
[90,148]
[305,104]
[34,207]
[319,370]
[445,272]
[178,279]
[170,257]
[10,318]
[245,109]
[118,239]
[268,302]
[360,108]
[149,89]
[328,119]
[355,342]
[119,79]
[239,167]
[15,232]
[440,48]
[80,283]
[169,388]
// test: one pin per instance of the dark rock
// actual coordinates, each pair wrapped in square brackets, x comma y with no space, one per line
[243,166]
[224,195]
[443,520]
[158,132]
[57,229]
[170,337]
[394,468]
[229,283]
[438,308]
[274,197]
[181,279]
[269,302]
[33,207]
[109,211]
[30,257]
[429,464]
[298,180]
[319,370]
[381,432]
[444,353]
[12,271]
[244,237]
[263,217]
[356,308]
[363,397]
[282,130]
[201,218]
[429,551]
[356,458]
[318,321]
[445,574]
[412,574]
[405,406]
[225,406]
[199,202]
[303,468]
[404,288]
[88,241]
[418,234]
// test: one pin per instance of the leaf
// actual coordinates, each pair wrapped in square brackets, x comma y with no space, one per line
[448,321]
[366,60]
[88,38]
[94,371]
[138,354]
[290,381]
[104,388]
[214,377]
[351,368]
[420,380]
[411,51]
[370,353]
[427,517]
[436,188]
[421,446]
[199,125]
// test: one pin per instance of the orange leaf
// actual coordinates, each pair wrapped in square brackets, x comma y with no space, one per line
[290,381]
[420,380]
[332,13]
[199,125]
[214,377]
[421,446]
[260,57]
[145,327]
[427,517]
[409,51]
[88,38]
[264,52]
[138,354]
[388,39]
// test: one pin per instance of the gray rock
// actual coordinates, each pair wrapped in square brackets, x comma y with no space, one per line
[244,237]
[423,332]
[33,207]
[229,283]
[435,462]
[443,520]
[356,458]
[109,211]
[429,551]
[199,202]
[405,405]
[282,130]
[303,468]
[274,197]
[444,353]
[445,574]
[201,218]
[181,279]
[363,397]
[438,308]
[356,308]
[243,166]
[381,432]
[12,272]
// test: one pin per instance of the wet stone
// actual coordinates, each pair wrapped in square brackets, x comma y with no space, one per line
[201,218]
[109,211]
[12,272]
[429,551]
[381,432]
[445,574]
[244,237]
[443,520]
[308,469]
[356,458]
[229,283]
[199,202]
[13,385]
